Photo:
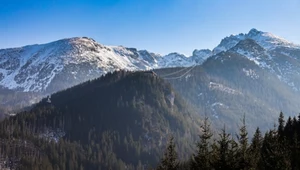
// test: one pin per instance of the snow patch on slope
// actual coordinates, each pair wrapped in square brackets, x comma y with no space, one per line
[217,104]
[250,73]
[220,87]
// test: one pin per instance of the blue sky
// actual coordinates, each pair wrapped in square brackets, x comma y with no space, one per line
[160,26]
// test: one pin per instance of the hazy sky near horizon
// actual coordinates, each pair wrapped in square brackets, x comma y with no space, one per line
[160,26]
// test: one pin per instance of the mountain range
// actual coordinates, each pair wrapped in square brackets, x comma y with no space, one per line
[114,107]
[55,66]
[65,63]
[257,66]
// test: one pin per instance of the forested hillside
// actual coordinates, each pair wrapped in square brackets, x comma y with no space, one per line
[120,121]
[125,120]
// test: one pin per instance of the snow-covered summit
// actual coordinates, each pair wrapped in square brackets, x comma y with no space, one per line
[264,39]
[64,63]
[268,40]
[174,60]
[199,56]
[270,52]
[33,68]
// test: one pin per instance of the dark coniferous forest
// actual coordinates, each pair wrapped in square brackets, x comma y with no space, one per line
[119,121]
[278,148]
[137,120]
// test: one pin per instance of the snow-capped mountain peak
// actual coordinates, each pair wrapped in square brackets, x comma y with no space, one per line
[61,64]
[199,56]
[254,32]
[267,40]
[266,50]
[67,62]
[174,60]
[34,68]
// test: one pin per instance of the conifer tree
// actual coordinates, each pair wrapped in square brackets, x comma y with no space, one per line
[254,150]
[295,152]
[274,153]
[281,124]
[243,154]
[201,160]
[233,157]
[221,151]
[170,160]
[288,129]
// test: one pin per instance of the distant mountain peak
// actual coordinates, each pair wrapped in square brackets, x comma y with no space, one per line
[196,51]
[266,40]
[254,32]
[199,56]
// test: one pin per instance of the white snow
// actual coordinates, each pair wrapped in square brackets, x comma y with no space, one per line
[250,73]
[220,87]
[31,61]
[52,135]
[255,57]
[217,104]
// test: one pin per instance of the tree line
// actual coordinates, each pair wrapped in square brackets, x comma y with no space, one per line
[277,149]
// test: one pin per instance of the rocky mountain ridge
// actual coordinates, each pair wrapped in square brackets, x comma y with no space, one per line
[58,65]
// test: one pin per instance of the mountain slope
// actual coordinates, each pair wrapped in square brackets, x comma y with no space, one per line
[270,52]
[229,84]
[120,120]
[256,74]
